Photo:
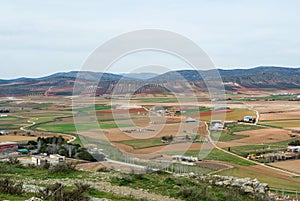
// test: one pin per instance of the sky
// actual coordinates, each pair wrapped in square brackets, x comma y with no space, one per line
[39,38]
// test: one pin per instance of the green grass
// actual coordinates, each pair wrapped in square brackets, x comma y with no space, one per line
[225,136]
[243,127]
[195,111]
[143,143]
[230,133]
[108,195]
[21,172]
[9,126]
[168,185]
[5,196]
[96,107]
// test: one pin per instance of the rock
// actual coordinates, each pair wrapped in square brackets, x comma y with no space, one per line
[248,189]
[227,182]
[34,199]
[219,183]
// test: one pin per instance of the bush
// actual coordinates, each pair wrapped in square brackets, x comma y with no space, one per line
[65,167]
[58,192]
[10,187]
[13,161]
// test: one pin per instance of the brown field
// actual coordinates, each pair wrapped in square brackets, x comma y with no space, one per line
[164,148]
[268,135]
[290,165]
[280,115]
[13,138]
[19,138]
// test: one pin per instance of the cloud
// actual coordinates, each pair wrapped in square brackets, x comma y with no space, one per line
[44,37]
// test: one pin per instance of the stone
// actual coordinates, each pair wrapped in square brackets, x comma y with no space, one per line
[34,199]
[248,189]
[227,182]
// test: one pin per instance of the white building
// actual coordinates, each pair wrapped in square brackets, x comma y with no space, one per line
[248,118]
[3,132]
[53,159]
[293,149]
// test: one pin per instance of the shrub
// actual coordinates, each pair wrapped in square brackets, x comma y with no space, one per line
[65,167]
[9,186]
[58,192]
[13,161]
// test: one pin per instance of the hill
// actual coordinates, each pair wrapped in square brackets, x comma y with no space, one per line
[177,81]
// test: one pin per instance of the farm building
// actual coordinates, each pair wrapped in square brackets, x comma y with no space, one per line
[216,125]
[293,149]
[221,108]
[8,146]
[190,120]
[248,119]
[3,132]
[53,159]
[185,158]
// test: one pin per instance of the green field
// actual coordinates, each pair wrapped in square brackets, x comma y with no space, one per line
[143,143]
[10,118]
[225,136]
[230,133]
[96,107]
[70,128]
[9,126]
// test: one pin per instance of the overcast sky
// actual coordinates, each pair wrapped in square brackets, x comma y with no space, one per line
[42,37]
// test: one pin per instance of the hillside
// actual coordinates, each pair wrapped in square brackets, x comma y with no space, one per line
[177,81]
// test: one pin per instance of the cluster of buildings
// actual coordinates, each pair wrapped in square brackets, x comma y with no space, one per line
[53,159]
[186,160]
[292,152]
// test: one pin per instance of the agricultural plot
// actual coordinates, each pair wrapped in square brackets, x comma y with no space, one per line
[290,165]
[276,179]
[231,132]
[261,148]
[261,136]
[288,124]
[229,115]
[71,128]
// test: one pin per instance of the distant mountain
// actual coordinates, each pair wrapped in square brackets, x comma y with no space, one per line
[177,81]
[140,76]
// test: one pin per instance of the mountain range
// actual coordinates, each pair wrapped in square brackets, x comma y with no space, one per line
[264,77]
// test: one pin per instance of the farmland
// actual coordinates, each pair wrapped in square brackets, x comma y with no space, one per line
[136,133]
